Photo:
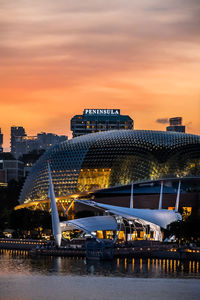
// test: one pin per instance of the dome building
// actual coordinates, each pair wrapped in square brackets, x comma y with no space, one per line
[109,159]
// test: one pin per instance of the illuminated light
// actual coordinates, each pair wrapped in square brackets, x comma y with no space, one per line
[133,264]
[163,263]
[171,208]
[140,264]
[93,179]
[125,263]
[148,264]
[156,264]
[118,262]
[167,265]
[171,264]
[190,266]
[186,212]
[193,266]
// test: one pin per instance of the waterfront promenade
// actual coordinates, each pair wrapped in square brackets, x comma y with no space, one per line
[139,249]
[98,288]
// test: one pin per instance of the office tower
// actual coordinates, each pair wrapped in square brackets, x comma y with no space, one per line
[97,120]
[17,133]
[176,125]
[46,140]
[22,144]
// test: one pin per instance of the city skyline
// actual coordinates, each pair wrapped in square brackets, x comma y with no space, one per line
[7,147]
[59,58]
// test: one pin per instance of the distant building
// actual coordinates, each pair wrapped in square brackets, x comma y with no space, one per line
[22,144]
[16,132]
[1,141]
[10,168]
[25,144]
[62,138]
[29,159]
[97,120]
[176,125]
[46,140]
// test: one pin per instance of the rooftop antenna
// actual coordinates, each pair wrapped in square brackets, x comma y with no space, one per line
[161,196]
[131,199]
[178,196]
[54,211]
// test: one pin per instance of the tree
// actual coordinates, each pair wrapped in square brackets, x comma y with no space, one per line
[186,231]
[8,200]
[26,220]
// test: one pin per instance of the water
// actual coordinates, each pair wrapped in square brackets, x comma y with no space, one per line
[13,262]
[24,277]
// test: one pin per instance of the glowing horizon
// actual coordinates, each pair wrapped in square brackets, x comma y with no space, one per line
[57,58]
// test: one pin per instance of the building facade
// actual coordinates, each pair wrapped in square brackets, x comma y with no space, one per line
[46,140]
[10,169]
[113,158]
[22,144]
[176,125]
[25,144]
[98,120]
[16,132]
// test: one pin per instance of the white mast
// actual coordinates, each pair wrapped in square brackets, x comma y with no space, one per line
[131,200]
[161,196]
[178,196]
[54,212]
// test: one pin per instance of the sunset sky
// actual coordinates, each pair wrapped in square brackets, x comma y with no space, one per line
[58,57]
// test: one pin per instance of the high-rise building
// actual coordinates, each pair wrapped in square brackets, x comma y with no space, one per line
[22,144]
[25,144]
[176,125]
[46,140]
[1,141]
[16,132]
[10,168]
[97,120]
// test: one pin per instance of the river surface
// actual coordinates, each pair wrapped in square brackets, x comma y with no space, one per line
[25,278]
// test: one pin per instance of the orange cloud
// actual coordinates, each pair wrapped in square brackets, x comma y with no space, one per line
[58,57]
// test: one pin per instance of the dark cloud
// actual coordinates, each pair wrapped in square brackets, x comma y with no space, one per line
[163,121]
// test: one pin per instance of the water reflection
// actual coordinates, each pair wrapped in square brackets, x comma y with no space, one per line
[20,262]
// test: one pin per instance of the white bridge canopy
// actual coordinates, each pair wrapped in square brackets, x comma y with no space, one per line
[160,217]
[90,224]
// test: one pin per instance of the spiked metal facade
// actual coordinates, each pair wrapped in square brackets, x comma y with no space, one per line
[111,158]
